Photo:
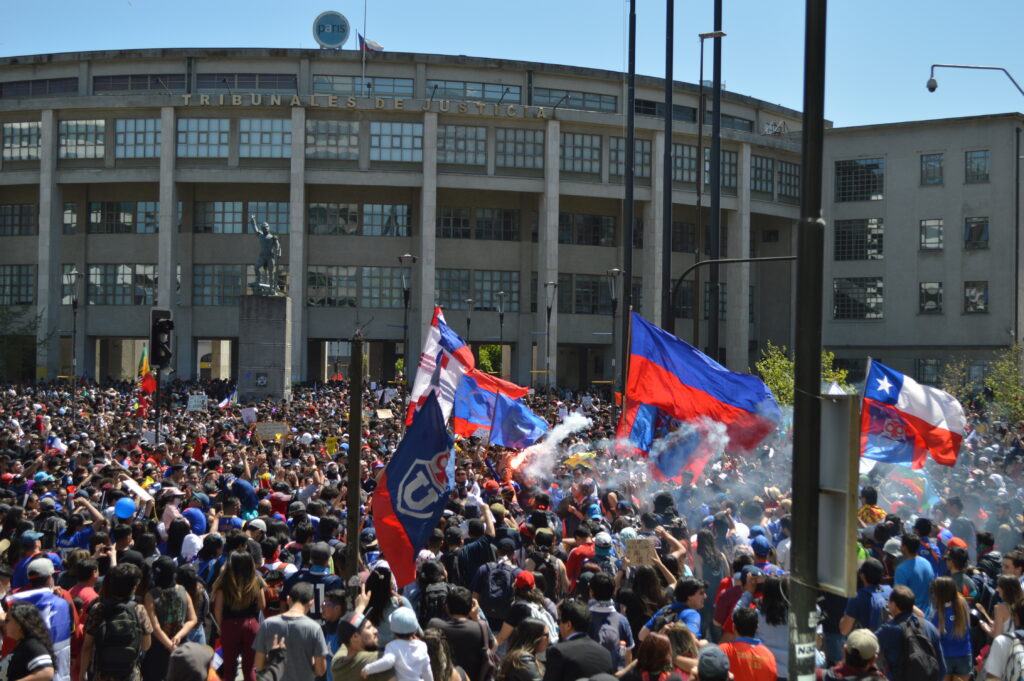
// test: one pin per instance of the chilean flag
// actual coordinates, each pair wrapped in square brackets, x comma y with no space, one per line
[412,492]
[475,402]
[367,45]
[902,421]
[445,360]
[670,380]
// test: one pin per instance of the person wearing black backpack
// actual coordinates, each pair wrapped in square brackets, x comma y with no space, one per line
[492,584]
[117,631]
[910,644]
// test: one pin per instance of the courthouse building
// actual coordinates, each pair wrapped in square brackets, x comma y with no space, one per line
[139,170]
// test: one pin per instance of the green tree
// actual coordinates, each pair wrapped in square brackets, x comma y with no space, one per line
[18,342]
[776,370]
[955,380]
[489,360]
[1006,381]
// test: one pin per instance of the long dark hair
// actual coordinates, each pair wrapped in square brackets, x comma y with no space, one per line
[32,626]
[378,585]
[176,534]
[523,641]
[440,654]
[775,604]
[647,586]
[707,549]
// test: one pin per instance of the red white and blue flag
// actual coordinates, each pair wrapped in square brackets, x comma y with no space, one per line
[903,421]
[445,360]
[669,380]
[412,492]
[367,45]
[475,402]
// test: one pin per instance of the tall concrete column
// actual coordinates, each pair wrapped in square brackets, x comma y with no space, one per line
[421,298]
[737,304]
[168,240]
[48,272]
[297,245]
[654,226]
[547,255]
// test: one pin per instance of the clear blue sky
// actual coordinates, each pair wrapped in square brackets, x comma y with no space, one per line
[878,55]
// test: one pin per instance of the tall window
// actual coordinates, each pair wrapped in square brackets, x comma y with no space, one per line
[684,163]
[931,234]
[203,137]
[164,82]
[274,213]
[386,219]
[144,285]
[975,233]
[976,166]
[928,371]
[861,239]
[684,237]
[333,219]
[335,140]
[70,223]
[371,87]
[931,169]
[474,92]
[137,138]
[722,299]
[581,153]
[462,145]
[21,141]
[382,288]
[861,179]
[111,217]
[18,219]
[81,139]
[975,296]
[453,222]
[216,285]
[762,175]
[452,288]
[519,148]
[592,295]
[586,230]
[729,168]
[402,142]
[487,283]
[641,157]
[264,138]
[684,300]
[497,224]
[572,99]
[858,298]
[246,82]
[219,217]
[109,285]
[147,217]
[789,181]
[17,284]
[330,286]
[930,297]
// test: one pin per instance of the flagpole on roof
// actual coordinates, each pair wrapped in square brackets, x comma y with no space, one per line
[362,49]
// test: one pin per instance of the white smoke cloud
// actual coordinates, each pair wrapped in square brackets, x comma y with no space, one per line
[540,458]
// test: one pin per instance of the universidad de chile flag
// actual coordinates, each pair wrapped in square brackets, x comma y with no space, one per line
[444,361]
[475,402]
[669,379]
[515,425]
[412,493]
[902,421]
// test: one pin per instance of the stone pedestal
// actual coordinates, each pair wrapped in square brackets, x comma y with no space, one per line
[264,348]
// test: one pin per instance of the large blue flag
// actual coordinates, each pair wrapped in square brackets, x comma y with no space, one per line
[412,493]
[514,424]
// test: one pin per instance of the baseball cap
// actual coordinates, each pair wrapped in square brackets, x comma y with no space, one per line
[750,571]
[256,524]
[712,663]
[761,545]
[349,624]
[491,487]
[40,567]
[594,511]
[956,542]
[43,476]
[864,642]
[403,621]
[756,531]
[892,547]
[506,545]
[30,536]
[603,540]
[47,504]
[525,580]
[320,553]
[189,662]
[368,538]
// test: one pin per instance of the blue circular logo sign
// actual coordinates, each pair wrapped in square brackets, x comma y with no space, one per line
[331,30]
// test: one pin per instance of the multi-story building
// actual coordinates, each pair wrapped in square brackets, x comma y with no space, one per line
[923,254]
[139,171]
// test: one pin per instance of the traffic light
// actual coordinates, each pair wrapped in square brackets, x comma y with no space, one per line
[161,327]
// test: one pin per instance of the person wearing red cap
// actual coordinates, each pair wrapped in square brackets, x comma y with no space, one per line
[529,602]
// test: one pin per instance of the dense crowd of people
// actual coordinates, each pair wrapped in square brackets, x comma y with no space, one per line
[195,551]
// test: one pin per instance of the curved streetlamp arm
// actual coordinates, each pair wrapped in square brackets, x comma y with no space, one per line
[982,68]
[723,261]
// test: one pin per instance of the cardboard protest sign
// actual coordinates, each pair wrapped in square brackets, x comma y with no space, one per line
[272,430]
[197,402]
[640,551]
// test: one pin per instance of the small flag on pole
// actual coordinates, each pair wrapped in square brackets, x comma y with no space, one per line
[147,383]
[228,401]
[367,45]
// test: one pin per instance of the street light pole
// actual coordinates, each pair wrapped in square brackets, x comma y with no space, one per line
[71,280]
[933,84]
[715,177]
[551,287]
[501,329]
[613,289]
[469,318]
[668,321]
[402,261]
[699,227]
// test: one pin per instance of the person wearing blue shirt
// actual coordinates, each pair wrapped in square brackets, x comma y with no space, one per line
[319,575]
[690,594]
[244,491]
[30,540]
[867,609]
[915,572]
[890,634]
